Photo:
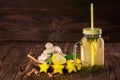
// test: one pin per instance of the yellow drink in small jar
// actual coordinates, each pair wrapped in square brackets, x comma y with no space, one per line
[92,47]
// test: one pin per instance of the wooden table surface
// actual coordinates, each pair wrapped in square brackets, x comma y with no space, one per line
[13,59]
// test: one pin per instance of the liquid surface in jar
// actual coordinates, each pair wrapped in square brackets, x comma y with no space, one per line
[92,52]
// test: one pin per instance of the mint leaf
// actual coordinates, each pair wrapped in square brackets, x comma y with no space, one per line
[69,56]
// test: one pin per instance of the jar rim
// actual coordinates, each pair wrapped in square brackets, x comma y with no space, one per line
[90,31]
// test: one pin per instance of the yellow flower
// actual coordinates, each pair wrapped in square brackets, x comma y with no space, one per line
[77,64]
[44,67]
[70,66]
[58,68]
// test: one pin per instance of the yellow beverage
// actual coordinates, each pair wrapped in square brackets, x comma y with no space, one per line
[92,48]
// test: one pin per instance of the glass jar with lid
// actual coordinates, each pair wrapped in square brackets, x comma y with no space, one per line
[91,47]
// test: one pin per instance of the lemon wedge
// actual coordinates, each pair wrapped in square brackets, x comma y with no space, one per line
[58,58]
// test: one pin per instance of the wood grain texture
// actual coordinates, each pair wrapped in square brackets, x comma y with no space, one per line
[13,59]
[56,20]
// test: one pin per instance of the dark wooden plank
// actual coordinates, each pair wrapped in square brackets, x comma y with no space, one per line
[13,57]
[109,36]
[44,20]
[11,63]
[6,62]
[115,55]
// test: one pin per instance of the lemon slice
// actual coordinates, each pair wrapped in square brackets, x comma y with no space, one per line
[58,58]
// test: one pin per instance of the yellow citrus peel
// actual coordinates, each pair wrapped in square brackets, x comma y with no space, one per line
[58,58]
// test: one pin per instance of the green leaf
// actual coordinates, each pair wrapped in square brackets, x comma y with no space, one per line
[70,56]
[92,69]
[50,59]
[50,53]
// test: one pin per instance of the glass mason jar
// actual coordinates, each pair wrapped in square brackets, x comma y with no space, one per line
[91,47]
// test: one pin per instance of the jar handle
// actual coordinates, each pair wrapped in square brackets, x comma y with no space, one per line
[75,49]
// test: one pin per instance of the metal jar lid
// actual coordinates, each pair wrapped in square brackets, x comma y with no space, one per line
[89,31]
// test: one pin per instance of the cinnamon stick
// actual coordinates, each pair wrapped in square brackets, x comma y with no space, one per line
[32,58]
[29,73]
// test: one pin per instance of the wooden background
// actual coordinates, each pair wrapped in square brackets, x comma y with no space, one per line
[57,20]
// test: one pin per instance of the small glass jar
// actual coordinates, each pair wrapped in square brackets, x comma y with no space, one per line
[91,48]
